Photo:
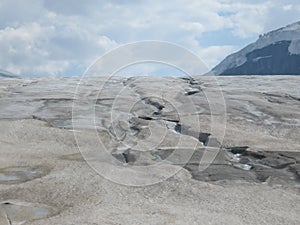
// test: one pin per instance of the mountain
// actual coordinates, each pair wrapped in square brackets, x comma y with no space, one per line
[274,53]
[6,74]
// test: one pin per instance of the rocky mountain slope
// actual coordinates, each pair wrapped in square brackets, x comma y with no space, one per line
[274,53]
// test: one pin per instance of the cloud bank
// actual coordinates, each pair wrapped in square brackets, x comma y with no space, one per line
[62,38]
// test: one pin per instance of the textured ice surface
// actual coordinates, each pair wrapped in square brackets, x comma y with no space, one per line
[254,179]
[17,213]
[14,175]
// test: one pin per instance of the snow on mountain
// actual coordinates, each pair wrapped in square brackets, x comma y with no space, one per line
[276,52]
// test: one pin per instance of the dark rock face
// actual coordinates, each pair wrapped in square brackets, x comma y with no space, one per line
[274,59]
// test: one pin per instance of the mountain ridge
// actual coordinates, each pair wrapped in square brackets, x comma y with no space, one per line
[274,53]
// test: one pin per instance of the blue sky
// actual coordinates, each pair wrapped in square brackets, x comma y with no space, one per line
[63,37]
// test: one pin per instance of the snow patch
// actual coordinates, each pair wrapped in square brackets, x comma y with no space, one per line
[294,26]
[294,47]
[262,57]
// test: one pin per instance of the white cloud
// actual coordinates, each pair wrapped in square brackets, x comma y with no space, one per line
[249,19]
[49,49]
[287,7]
[214,54]
[41,37]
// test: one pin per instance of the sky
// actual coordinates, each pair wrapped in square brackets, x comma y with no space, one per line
[64,37]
